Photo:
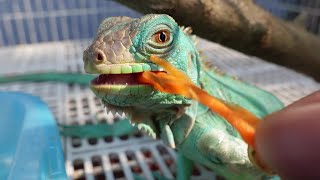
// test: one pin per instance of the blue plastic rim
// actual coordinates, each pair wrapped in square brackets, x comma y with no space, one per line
[30,146]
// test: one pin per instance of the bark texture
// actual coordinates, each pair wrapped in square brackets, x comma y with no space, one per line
[244,26]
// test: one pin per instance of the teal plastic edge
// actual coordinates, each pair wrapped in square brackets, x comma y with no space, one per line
[30,146]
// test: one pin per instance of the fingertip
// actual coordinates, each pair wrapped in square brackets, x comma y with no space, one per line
[307,100]
[289,142]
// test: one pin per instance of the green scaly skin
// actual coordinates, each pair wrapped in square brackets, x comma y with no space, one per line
[124,45]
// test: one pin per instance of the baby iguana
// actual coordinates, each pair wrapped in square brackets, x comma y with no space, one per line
[120,53]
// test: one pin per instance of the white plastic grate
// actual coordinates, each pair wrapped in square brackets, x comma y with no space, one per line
[121,157]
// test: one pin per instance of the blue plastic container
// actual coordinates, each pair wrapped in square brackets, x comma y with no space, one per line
[30,146]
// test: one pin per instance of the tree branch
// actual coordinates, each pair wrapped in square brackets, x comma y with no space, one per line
[244,26]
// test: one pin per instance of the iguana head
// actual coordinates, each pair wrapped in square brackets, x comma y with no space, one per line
[121,51]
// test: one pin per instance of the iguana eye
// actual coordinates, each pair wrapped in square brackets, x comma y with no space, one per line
[161,37]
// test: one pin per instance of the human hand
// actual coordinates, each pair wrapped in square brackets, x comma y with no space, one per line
[288,141]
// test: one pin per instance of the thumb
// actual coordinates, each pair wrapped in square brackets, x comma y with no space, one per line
[289,142]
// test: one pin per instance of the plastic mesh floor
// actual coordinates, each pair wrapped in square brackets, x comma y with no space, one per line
[122,157]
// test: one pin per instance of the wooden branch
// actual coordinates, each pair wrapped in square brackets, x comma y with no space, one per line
[244,26]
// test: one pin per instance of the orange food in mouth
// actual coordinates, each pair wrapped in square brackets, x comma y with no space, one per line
[176,82]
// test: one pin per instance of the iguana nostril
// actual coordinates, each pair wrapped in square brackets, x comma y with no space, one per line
[100,57]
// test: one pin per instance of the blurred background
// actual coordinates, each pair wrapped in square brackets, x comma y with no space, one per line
[32,21]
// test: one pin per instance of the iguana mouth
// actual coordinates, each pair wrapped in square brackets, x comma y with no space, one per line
[116,79]
[122,79]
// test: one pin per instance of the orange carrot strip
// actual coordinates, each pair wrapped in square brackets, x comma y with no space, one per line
[176,82]
[169,68]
